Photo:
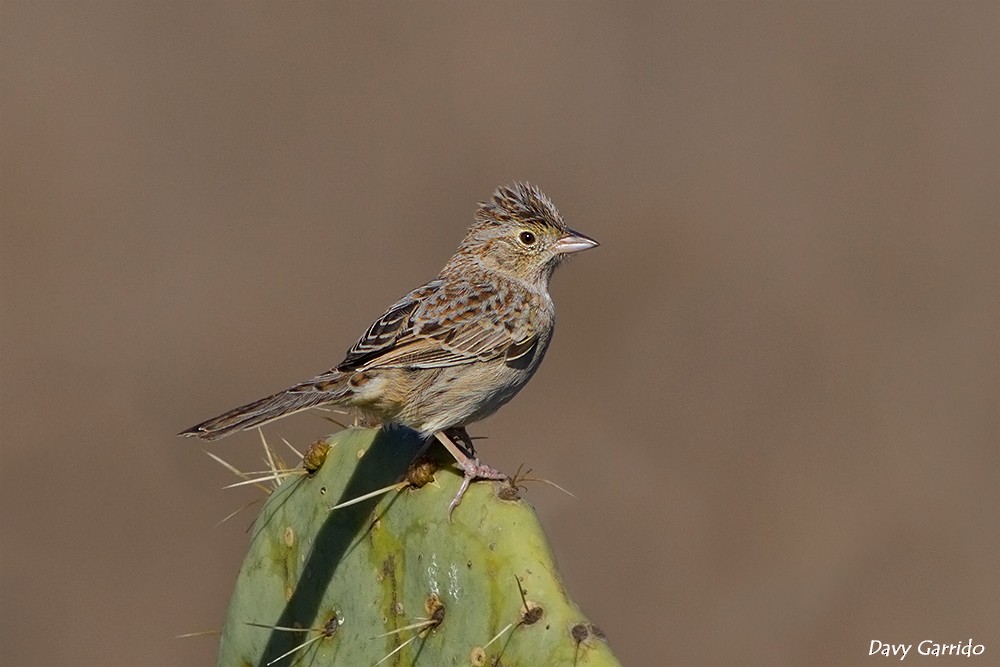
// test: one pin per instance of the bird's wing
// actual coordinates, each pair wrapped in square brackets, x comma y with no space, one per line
[438,325]
[384,332]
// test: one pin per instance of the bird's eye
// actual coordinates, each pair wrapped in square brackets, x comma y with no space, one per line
[527,238]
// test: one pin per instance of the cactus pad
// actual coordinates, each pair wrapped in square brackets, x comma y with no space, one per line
[390,580]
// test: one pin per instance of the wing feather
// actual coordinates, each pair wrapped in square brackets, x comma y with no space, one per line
[383,334]
[435,326]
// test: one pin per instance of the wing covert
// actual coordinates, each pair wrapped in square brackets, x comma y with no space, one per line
[437,326]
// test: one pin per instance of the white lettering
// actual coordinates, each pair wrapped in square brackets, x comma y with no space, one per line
[927,647]
[887,649]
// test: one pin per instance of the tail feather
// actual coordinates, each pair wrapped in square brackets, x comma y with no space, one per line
[258,413]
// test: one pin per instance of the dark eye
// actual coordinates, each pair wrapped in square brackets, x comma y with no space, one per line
[527,238]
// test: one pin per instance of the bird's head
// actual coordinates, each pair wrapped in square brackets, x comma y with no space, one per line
[519,232]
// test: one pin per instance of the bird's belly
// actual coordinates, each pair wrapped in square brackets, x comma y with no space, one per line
[460,395]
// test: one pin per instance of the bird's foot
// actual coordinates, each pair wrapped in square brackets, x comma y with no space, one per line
[473,470]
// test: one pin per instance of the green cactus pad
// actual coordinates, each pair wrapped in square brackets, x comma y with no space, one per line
[352,579]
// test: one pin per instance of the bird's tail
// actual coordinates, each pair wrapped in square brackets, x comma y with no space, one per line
[262,411]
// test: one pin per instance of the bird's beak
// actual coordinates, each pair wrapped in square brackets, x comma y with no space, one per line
[573,242]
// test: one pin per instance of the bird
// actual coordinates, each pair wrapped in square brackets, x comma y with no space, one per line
[454,350]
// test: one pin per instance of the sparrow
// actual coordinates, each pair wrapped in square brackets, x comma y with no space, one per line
[453,350]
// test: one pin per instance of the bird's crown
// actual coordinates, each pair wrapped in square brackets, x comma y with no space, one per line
[520,203]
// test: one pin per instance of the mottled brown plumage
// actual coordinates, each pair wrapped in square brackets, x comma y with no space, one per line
[454,350]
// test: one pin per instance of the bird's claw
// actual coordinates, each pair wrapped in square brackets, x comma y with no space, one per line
[472,470]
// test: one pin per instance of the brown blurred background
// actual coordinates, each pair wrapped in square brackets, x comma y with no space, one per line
[774,388]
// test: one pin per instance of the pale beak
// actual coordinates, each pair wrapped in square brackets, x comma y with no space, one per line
[573,242]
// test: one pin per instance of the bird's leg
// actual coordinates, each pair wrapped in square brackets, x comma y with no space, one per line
[465,455]
[461,438]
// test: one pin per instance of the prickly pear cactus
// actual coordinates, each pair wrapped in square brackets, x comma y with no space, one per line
[389,580]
